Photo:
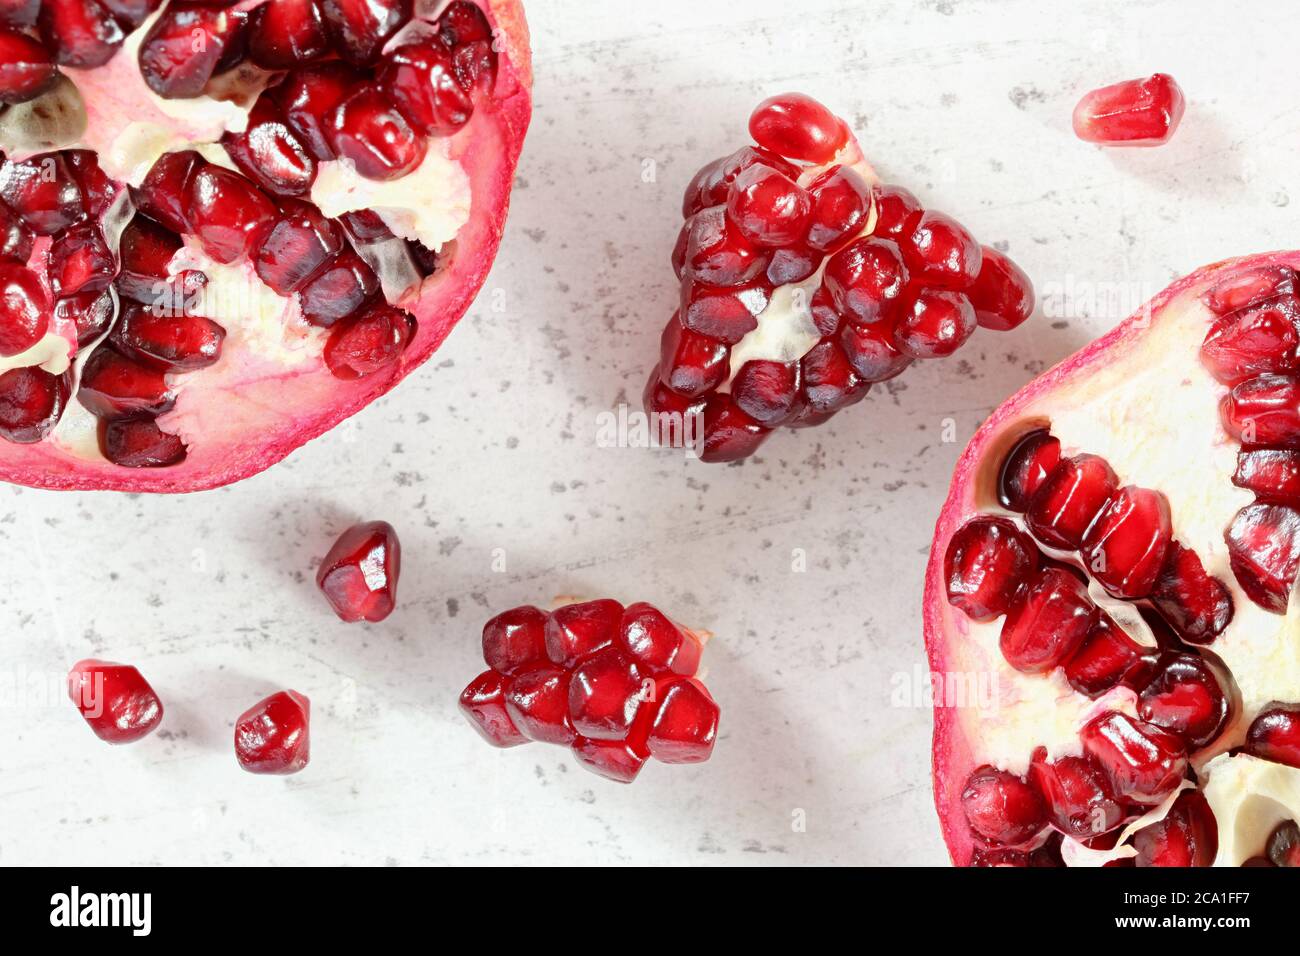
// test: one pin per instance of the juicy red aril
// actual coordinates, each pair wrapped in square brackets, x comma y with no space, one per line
[483,703]
[768,207]
[131,13]
[934,323]
[117,703]
[717,253]
[1197,605]
[1255,340]
[164,193]
[1264,551]
[1002,295]
[31,403]
[273,736]
[766,391]
[1185,697]
[798,127]
[577,631]
[80,261]
[1275,734]
[538,704]
[114,386]
[19,13]
[44,193]
[80,32]
[1002,807]
[987,561]
[365,226]
[26,70]
[338,289]
[1187,836]
[184,48]
[145,249]
[1283,847]
[841,200]
[604,695]
[1143,763]
[612,759]
[284,33]
[309,96]
[710,185]
[829,381]
[865,280]
[97,189]
[420,79]
[1047,621]
[691,364]
[1126,544]
[897,212]
[362,27]
[463,22]
[358,576]
[24,309]
[871,351]
[227,213]
[824,315]
[367,129]
[1273,474]
[686,726]
[1027,465]
[140,443]
[369,342]
[296,247]
[727,315]
[1107,657]
[90,312]
[1143,112]
[515,639]
[179,343]
[16,239]
[675,420]
[792,263]
[940,252]
[269,153]
[1251,286]
[729,434]
[1069,499]
[1264,410]
[1078,796]
[657,642]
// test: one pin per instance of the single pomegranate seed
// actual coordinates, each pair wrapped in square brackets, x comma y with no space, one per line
[1002,807]
[871,351]
[463,22]
[24,309]
[709,186]
[1195,604]
[285,33]
[273,736]
[16,239]
[1107,657]
[338,289]
[1264,551]
[1187,836]
[767,391]
[986,563]
[677,421]
[79,32]
[1264,410]
[421,80]
[515,639]
[791,264]
[483,702]
[656,642]
[1142,112]
[26,69]
[934,323]
[1027,465]
[1047,621]
[115,701]
[140,443]
[1126,544]
[1069,499]
[365,226]
[31,403]
[309,96]
[180,343]
[359,574]
[717,254]
[767,207]
[464,29]
[97,190]
[1273,474]
[1263,338]
[604,695]
[1002,295]
[1186,697]
[829,381]
[1143,763]
[686,725]
[841,200]
[940,252]
[114,386]
[1283,847]
[269,153]
[229,214]
[80,261]
[1079,799]
[537,701]
[576,631]
[1251,287]
[19,13]
[824,316]
[91,312]
[729,434]
[362,27]
[897,213]
[727,315]
[296,247]
[44,193]
[798,127]
[146,249]
[612,759]
[1275,734]
[164,193]
[691,364]
[865,280]
[369,342]
[185,47]
[367,129]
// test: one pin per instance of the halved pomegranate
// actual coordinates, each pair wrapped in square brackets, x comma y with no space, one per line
[1117,559]
[804,280]
[224,228]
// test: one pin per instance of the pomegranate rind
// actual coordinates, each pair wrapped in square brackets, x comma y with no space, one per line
[283,412]
[953,753]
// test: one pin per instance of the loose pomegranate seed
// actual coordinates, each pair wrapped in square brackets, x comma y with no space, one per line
[829,381]
[421,80]
[19,13]
[717,254]
[1027,465]
[1002,807]
[515,639]
[90,312]
[577,631]
[985,566]
[1264,410]
[146,249]
[370,342]
[1107,657]
[871,351]
[865,280]
[1047,621]
[1069,499]
[362,27]
[80,261]
[709,186]
[359,574]
[898,212]
[1283,846]
[367,129]
[16,240]
[309,96]
[24,309]
[1185,697]
[181,343]
[1250,287]
[31,403]
[296,248]
[44,192]
[1126,544]
[1143,763]
[338,289]
[612,759]
[1002,295]
[115,701]
[164,193]
[691,364]
[1142,112]
[538,704]
[729,434]
[798,127]
[657,642]
[185,47]
[1079,799]
[767,391]
[1195,604]
[285,33]
[940,252]
[1275,734]
[26,69]
[769,208]
[841,200]
[79,32]
[483,703]
[140,443]
[727,315]
[934,323]
[1187,836]
[1259,339]
[114,386]
[273,736]
[228,214]
[1264,551]
[269,153]
[686,726]
[1273,474]
[605,694]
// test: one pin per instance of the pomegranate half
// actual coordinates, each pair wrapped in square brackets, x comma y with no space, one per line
[1109,608]
[226,227]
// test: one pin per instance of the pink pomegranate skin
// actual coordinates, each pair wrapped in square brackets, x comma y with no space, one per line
[954,756]
[298,408]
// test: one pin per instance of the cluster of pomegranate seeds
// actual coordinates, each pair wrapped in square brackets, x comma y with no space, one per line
[359,574]
[1143,112]
[616,685]
[115,700]
[273,736]
[783,220]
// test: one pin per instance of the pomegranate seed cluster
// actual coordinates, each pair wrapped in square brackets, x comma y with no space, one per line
[616,685]
[783,227]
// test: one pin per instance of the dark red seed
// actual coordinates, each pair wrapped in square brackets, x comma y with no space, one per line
[24,309]
[31,403]
[80,261]
[365,226]
[717,254]
[1264,552]
[1002,807]
[841,200]
[1107,657]
[269,153]
[140,443]
[285,33]
[1002,295]
[476,66]
[576,631]
[1252,341]
[605,692]
[420,79]
[515,639]
[796,126]
[131,13]
[338,289]
[674,420]
[727,315]
[114,386]
[1283,847]
[1273,474]
[463,22]
[1142,112]
[1125,546]
[184,48]
[44,193]
[1027,465]
[1079,799]
[729,434]
[986,564]
[1264,410]
[90,312]
[19,13]
[483,704]
[710,185]
[830,383]
[865,280]
[897,212]
[362,27]
[538,704]
[273,736]
[691,364]
[871,351]
[79,32]
[16,239]
[369,342]
[791,264]
[766,391]
[1186,697]
[940,252]
[359,573]
[823,312]
[228,214]
[26,69]
[686,725]
[296,247]
[181,343]
[934,323]
[657,643]
[769,208]
[1275,734]
[1143,763]
[116,701]
[1187,836]
[1069,499]
[367,129]
[1250,287]
[309,96]
[1195,604]
[612,759]
[164,193]
[97,190]
[1047,621]
[145,249]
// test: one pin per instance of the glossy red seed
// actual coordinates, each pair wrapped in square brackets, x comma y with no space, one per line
[362,27]
[1068,500]
[865,280]
[1264,551]
[146,249]
[359,574]
[1283,847]
[1264,410]
[181,343]
[1143,112]
[841,200]
[717,254]
[1273,474]
[727,315]
[114,386]
[612,759]
[939,251]
[769,208]
[515,639]
[26,69]
[605,693]
[686,725]
[309,96]
[365,226]
[1047,621]
[1107,657]
[476,66]
[710,185]
[729,434]
[1125,546]
[422,82]
[483,704]
[538,704]
[97,190]
[1002,807]
[823,313]
[1031,459]
[1186,697]
[987,562]
[796,126]
[1187,836]
[184,48]
[140,443]
[934,323]
[270,153]
[80,33]
[31,403]
[130,13]
[43,191]
[674,420]
[164,194]
[367,130]
[286,33]
[830,383]
[274,735]
[792,263]
[576,631]
[1275,734]
[1143,763]
[691,364]
[1002,295]
[654,641]
[338,289]
[1258,339]
[1251,287]
[19,13]
[228,214]
[369,342]
[897,212]
[296,247]
[90,312]
[24,309]
[1079,799]
[115,700]
[1196,605]
[79,260]
[871,351]
[767,391]
[16,239]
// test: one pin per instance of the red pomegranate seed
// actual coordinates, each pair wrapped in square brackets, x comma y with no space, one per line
[791,264]
[940,252]
[309,96]
[164,193]
[576,631]
[24,309]
[1069,499]
[1262,338]
[1273,474]
[767,391]
[841,200]
[1027,465]
[1047,621]
[986,564]
[727,315]
[114,386]
[463,22]
[145,249]
[1264,551]
[709,186]
[1126,544]
[865,280]
[871,351]
[1275,734]
[658,643]
[362,27]
[338,289]
[677,420]
[1264,410]
[769,208]
[1107,657]
[130,13]
[796,126]
[96,188]
[1002,295]
[1002,807]
[116,702]
[273,736]
[1185,697]
[1187,836]
[1142,112]
[367,129]
[717,254]
[515,639]
[365,226]
[229,215]
[44,192]
[79,32]
[1195,604]
[612,759]
[19,13]
[686,725]
[296,247]
[421,80]
[1079,799]
[269,153]
[1143,763]
[729,434]
[1283,847]
[824,316]
[16,240]
[140,443]
[1003,858]
[90,312]
[31,403]
[369,342]
[26,69]
[829,381]
[483,703]
[537,701]
[691,364]
[185,47]
[80,261]
[934,323]
[897,212]
[605,693]
[1251,287]
[358,576]
[180,343]
[285,33]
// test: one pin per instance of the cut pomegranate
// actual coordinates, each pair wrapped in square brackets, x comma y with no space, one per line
[1275,734]
[358,576]
[273,736]
[117,703]
[1141,112]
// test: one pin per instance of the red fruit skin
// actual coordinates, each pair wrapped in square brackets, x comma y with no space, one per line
[489,147]
[117,703]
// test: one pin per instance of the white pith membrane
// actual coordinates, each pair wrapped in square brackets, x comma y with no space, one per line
[1152,412]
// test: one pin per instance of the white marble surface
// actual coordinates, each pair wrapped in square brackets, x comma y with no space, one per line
[491,446]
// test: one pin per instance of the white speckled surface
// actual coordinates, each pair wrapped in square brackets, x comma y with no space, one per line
[490,450]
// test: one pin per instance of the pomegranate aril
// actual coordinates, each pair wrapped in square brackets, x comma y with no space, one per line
[367,129]
[16,239]
[729,434]
[362,27]
[1143,762]
[1107,657]
[1273,474]
[309,96]
[1187,836]
[1069,499]
[1142,112]
[31,403]
[767,391]
[338,289]
[1027,465]
[116,702]
[1002,295]
[897,212]
[1275,734]
[940,252]
[369,342]
[19,13]
[421,80]
[185,47]
[131,13]
[727,315]
[80,261]
[140,443]
[269,153]
[767,207]
[1002,807]
[685,727]
[1250,287]
[285,33]
[1047,621]
[841,200]
[296,247]
[1264,410]
[146,249]
[114,386]
[824,314]
[359,574]
[612,759]
[605,693]
[97,190]
[1126,544]
[709,186]
[164,194]
[483,703]
[717,254]
[463,22]
[829,381]
[91,312]
[1283,847]
[934,323]
[865,280]
[80,33]
[796,126]
[43,192]
[791,264]
[871,351]
[576,631]
[1264,552]
[675,420]
[181,343]
[987,562]
[515,639]
[227,213]
[365,226]
[1078,796]
[1197,605]
[689,363]
[26,69]
[273,736]
[1185,696]
[656,642]
[24,309]
[537,701]
[1262,338]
